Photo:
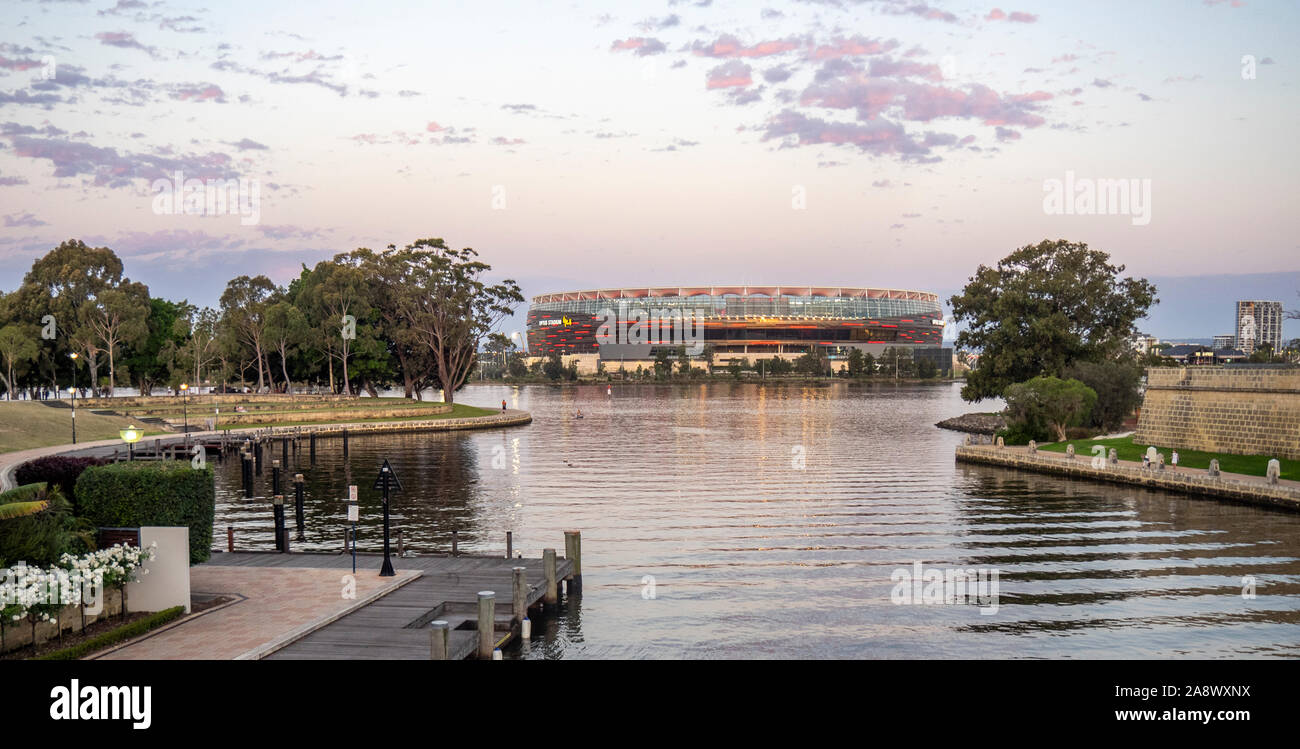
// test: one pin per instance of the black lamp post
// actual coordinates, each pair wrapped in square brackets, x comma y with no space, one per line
[185,413]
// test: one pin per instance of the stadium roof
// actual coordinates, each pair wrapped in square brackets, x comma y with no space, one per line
[742,290]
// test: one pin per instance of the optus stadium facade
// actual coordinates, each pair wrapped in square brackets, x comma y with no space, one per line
[735,321]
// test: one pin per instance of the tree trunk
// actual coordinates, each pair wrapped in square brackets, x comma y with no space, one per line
[284,367]
[112,381]
[261,380]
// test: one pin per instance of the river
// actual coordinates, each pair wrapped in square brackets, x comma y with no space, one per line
[730,520]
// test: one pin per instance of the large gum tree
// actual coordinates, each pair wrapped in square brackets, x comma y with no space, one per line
[446,306]
[1043,308]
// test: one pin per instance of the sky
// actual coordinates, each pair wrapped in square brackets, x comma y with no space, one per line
[885,143]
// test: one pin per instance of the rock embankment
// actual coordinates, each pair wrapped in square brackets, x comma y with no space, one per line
[976,423]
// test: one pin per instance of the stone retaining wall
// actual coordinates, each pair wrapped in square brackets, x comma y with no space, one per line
[1285,495]
[71,619]
[1240,411]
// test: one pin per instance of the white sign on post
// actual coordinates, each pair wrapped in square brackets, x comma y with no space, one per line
[354,512]
[352,493]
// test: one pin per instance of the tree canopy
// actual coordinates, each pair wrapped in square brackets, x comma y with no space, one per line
[1043,308]
[359,321]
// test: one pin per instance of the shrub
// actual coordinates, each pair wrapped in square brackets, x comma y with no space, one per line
[38,526]
[57,470]
[1117,385]
[1048,405]
[165,493]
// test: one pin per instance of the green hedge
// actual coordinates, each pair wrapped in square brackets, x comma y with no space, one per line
[166,493]
[40,537]
[114,636]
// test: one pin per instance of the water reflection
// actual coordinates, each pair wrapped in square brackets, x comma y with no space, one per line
[772,517]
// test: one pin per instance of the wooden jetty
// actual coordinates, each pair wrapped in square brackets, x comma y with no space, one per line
[444,602]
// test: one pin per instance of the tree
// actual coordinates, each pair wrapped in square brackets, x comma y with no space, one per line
[118,315]
[243,313]
[286,327]
[663,367]
[60,284]
[200,344]
[777,366]
[554,367]
[897,361]
[856,364]
[501,349]
[449,307]
[17,347]
[812,364]
[159,356]
[1116,384]
[1043,308]
[336,296]
[868,365]
[1048,405]
[926,369]
[683,362]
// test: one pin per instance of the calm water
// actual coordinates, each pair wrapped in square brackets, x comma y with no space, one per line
[699,488]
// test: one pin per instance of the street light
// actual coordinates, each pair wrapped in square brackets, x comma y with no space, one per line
[74,396]
[185,413]
[130,436]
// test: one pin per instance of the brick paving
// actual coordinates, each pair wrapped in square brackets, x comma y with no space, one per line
[276,602]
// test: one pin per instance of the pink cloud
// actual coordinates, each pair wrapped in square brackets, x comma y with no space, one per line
[853,47]
[1014,17]
[639,45]
[729,75]
[201,92]
[729,46]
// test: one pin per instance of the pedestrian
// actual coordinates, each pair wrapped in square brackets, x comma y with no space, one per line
[1174,460]
[503,405]
[1146,460]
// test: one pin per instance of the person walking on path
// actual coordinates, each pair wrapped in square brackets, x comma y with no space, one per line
[503,405]
[1174,460]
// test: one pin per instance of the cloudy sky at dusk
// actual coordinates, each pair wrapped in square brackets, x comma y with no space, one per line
[889,143]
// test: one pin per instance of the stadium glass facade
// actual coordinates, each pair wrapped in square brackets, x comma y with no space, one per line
[749,320]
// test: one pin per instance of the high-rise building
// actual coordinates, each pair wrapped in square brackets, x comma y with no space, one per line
[1224,341]
[1259,323]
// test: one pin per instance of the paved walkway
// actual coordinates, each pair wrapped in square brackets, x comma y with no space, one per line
[273,606]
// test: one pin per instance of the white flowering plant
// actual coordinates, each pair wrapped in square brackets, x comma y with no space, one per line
[39,593]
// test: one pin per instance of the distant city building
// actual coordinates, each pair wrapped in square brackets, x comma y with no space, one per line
[1259,323]
[1143,343]
[1196,354]
[1225,341]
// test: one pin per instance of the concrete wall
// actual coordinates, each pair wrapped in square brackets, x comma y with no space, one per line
[1244,411]
[167,583]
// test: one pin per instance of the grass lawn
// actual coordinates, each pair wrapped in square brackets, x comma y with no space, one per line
[1250,465]
[28,424]
[458,411]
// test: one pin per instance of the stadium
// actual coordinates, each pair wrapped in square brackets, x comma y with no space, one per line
[737,321]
